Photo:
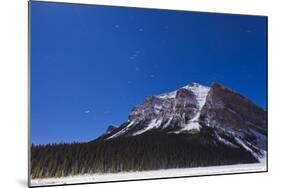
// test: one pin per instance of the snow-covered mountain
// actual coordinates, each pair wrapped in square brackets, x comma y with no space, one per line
[230,118]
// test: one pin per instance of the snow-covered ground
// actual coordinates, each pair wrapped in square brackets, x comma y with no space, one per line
[227,169]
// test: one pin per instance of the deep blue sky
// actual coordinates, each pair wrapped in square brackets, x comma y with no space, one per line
[91,64]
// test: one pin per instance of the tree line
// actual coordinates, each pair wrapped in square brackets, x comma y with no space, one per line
[150,151]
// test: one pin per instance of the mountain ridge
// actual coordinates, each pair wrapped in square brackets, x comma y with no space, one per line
[194,106]
[191,96]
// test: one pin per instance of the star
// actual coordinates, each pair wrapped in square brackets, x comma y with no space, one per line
[135,55]
[87,111]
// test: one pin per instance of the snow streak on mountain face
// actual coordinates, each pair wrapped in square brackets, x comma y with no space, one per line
[178,111]
[233,120]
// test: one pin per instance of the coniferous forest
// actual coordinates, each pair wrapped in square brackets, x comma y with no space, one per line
[149,151]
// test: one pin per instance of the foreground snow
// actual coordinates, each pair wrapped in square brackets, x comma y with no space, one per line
[227,169]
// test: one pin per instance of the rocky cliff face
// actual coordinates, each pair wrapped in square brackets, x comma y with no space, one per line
[233,119]
[229,109]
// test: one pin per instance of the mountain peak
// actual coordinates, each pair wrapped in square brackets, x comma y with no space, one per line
[197,88]
[193,87]
[193,84]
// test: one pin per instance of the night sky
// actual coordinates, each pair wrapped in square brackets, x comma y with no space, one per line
[91,64]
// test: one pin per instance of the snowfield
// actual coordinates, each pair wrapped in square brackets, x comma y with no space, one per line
[165,173]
